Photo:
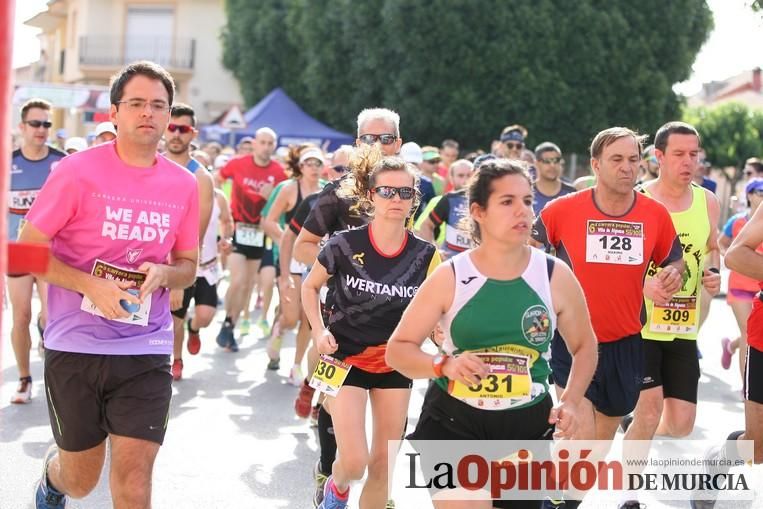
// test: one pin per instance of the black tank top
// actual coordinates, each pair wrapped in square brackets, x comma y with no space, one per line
[290,213]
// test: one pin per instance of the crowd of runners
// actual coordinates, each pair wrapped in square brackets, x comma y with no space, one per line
[391,261]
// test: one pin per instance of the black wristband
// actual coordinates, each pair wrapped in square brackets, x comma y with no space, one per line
[714,270]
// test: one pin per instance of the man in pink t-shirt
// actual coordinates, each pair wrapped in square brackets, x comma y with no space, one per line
[123,224]
[254,177]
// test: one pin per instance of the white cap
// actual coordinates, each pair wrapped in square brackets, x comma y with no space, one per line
[313,153]
[105,127]
[222,160]
[411,153]
[76,144]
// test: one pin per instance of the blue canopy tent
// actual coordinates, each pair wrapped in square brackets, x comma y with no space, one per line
[279,112]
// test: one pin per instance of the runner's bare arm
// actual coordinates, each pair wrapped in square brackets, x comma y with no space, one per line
[280,205]
[711,279]
[206,187]
[226,218]
[286,251]
[741,256]
[306,247]
[180,273]
[104,293]
[322,339]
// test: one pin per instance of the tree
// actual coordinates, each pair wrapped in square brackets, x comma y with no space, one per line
[731,133]
[463,69]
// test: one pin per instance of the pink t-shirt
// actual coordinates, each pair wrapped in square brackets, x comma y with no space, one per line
[94,206]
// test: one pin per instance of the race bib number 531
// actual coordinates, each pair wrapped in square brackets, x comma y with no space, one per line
[617,242]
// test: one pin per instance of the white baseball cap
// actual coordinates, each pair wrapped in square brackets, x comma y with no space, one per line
[313,153]
[105,127]
[75,143]
[411,153]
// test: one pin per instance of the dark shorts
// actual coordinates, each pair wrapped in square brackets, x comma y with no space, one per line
[201,292]
[250,252]
[617,381]
[674,365]
[446,418]
[91,396]
[753,376]
[269,260]
[367,380]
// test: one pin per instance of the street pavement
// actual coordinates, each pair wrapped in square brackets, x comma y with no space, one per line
[234,441]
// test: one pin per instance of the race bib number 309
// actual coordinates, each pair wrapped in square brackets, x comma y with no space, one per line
[616,242]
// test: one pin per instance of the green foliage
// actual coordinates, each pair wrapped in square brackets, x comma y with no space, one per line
[464,69]
[730,132]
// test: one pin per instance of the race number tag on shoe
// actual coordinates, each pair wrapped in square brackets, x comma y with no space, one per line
[107,271]
[678,316]
[329,375]
[249,235]
[508,384]
[617,242]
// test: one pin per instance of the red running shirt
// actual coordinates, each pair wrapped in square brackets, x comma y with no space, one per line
[610,255]
[248,180]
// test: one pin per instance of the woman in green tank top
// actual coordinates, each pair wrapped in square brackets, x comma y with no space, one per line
[497,305]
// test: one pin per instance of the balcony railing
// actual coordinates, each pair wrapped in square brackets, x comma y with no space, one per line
[111,51]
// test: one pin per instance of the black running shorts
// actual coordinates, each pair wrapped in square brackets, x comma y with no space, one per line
[617,381]
[91,396]
[674,365]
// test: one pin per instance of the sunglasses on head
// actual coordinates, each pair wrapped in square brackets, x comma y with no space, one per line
[389,192]
[184,129]
[514,146]
[384,139]
[551,160]
[38,123]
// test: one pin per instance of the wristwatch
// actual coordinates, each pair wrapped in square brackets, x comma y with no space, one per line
[438,361]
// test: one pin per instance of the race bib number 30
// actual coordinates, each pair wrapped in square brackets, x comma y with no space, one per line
[329,375]
[507,385]
[108,271]
[616,242]
[679,316]
[249,235]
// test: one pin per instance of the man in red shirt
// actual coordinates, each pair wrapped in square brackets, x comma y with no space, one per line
[254,177]
[608,235]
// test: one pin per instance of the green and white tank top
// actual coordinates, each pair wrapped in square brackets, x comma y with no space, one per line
[515,318]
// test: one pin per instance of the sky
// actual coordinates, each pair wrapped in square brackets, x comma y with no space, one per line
[735,45]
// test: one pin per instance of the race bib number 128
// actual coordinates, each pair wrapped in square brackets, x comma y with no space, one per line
[616,242]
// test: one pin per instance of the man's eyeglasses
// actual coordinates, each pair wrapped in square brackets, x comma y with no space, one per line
[551,160]
[184,129]
[389,192]
[384,139]
[514,146]
[340,168]
[138,105]
[38,123]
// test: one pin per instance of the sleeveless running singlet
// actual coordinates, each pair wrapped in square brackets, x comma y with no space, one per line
[514,317]
[680,318]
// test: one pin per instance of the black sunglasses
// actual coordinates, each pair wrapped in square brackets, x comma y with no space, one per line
[38,123]
[384,139]
[551,160]
[340,168]
[389,192]
[514,146]
[184,129]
